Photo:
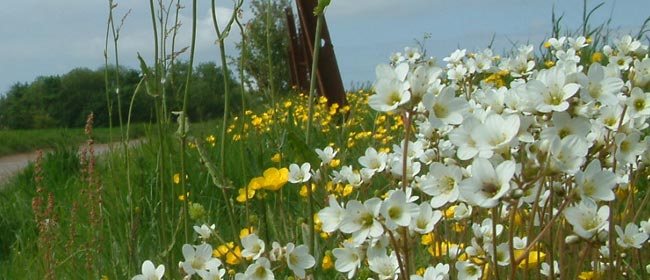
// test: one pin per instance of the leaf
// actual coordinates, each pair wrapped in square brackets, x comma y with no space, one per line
[211,167]
[148,77]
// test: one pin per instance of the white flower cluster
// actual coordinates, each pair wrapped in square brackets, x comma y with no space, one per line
[574,131]
[556,142]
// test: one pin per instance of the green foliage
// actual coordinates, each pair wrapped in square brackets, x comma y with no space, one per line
[66,100]
[256,61]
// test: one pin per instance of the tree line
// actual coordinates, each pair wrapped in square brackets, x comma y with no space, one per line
[66,100]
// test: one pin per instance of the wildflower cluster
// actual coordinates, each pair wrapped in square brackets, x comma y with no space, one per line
[558,147]
[482,168]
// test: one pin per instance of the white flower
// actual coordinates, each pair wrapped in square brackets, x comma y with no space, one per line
[577,43]
[557,43]
[463,138]
[426,219]
[484,230]
[468,270]
[455,58]
[260,270]
[626,44]
[445,108]
[638,103]
[551,86]
[360,220]
[642,72]
[441,183]
[299,174]
[204,231]
[373,161]
[422,79]
[610,117]
[412,54]
[597,86]
[546,269]
[331,216]
[326,155]
[397,168]
[632,237]
[628,147]
[587,218]
[596,183]
[487,184]
[496,133]
[391,89]
[299,259]
[253,246]
[397,211]
[348,258]
[564,125]
[568,154]
[385,266]
[276,253]
[462,211]
[645,226]
[199,260]
[150,272]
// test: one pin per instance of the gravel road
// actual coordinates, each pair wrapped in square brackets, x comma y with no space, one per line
[10,165]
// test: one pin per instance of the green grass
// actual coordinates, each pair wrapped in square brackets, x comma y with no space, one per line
[21,141]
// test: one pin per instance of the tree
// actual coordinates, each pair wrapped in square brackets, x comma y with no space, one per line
[256,63]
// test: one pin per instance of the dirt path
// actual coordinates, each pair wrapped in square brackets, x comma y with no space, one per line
[10,165]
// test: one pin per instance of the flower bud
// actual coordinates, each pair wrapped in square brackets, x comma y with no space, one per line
[571,239]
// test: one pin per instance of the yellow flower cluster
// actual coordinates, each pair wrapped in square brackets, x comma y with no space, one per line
[295,111]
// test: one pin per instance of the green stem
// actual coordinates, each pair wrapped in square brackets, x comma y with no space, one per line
[186,95]
[226,111]
[313,77]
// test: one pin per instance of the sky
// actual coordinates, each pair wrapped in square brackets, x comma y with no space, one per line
[42,38]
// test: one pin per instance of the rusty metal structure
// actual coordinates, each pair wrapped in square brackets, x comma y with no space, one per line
[301,49]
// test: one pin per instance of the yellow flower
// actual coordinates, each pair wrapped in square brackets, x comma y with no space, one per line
[547,45]
[442,248]
[420,271]
[211,140]
[427,239]
[177,178]
[597,57]
[274,178]
[243,196]
[303,190]
[182,197]
[231,252]
[549,63]
[589,275]
[257,183]
[276,158]
[534,259]
[449,212]
[327,262]
[335,162]
[347,190]
[245,232]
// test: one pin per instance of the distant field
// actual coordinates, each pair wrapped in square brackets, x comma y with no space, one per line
[20,141]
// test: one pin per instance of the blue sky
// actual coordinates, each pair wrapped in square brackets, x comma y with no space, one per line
[53,37]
